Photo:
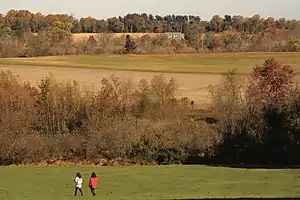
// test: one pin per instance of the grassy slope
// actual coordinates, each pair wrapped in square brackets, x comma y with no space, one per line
[164,182]
[200,63]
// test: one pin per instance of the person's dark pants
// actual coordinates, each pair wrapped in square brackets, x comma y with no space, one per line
[76,189]
[93,191]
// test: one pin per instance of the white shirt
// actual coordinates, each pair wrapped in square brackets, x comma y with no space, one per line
[78,182]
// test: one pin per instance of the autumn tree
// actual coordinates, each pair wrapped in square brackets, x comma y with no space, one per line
[259,117]
[130,45]
[194,34]
[67,26]
[272,82]
[24,20]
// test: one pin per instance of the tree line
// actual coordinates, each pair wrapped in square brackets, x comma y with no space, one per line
[227,34]
[20,21]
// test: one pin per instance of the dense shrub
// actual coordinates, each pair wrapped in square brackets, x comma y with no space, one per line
[252,120]
[259,120]
[122,121]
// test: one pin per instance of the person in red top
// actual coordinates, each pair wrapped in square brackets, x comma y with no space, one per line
[93,183]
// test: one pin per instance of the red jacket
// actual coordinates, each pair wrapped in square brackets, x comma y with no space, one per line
[93,182]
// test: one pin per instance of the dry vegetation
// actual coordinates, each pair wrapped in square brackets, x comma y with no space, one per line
[146,123]
[56,41]
[194,86]
[85,36]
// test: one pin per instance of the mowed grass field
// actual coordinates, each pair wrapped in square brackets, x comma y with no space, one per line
[151,182]
[193,72]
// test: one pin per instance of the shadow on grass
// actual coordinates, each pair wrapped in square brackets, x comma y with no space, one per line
[196,160]
[242,166]
[242,198]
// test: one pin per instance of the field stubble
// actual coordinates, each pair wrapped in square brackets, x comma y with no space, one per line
[191,85]
[194,73]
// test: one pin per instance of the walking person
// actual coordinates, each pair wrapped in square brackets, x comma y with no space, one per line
[78,183]
[93,183]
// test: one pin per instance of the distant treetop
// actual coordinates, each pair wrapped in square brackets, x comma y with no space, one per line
[25,21]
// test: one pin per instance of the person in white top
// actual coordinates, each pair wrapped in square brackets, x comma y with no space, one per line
[78,183]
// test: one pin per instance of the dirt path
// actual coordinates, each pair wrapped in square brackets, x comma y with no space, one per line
[191,85]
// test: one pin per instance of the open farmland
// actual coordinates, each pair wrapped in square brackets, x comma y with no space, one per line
[189,182]
[194,73]
[84,36]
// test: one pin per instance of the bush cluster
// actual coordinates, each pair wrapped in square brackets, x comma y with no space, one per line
[251,120]
[141,122]
[259,117]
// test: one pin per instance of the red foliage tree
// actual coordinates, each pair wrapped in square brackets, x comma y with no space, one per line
[272,82]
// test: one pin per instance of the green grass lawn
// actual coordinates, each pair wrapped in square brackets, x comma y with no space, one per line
[212,63]
[160,182]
